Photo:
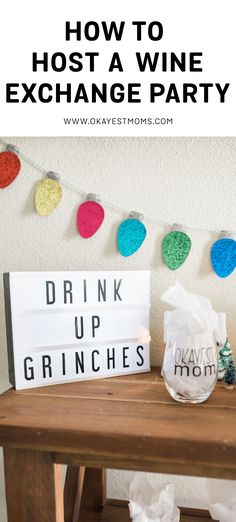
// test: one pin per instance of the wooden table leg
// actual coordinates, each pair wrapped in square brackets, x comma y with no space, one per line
[93,495]
[34,490]
[73,492]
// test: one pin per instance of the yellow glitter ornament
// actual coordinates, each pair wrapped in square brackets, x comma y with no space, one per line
[48,194]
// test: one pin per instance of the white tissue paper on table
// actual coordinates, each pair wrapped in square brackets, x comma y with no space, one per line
[221,499]
[149,505]
[191,332]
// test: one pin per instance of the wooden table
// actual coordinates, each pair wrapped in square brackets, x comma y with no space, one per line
[128,423]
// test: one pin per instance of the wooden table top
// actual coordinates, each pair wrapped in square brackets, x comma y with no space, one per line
[126,422]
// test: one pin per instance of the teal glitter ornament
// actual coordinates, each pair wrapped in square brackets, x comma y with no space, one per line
[131,234]
[176,246]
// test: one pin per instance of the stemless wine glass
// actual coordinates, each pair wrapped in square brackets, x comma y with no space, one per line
[190,367]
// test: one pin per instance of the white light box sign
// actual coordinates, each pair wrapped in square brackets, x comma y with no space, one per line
[66,326]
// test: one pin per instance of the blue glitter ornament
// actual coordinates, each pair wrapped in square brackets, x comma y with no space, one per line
[223,256]
[131,235]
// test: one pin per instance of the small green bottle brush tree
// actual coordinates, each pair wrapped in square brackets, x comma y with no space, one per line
[230,373]
[226,366]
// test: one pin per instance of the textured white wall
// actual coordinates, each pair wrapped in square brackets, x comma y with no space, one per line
[190,180]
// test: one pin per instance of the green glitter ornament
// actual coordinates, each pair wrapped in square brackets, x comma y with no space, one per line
[175,249]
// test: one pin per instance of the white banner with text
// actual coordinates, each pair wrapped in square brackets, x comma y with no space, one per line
[117,68]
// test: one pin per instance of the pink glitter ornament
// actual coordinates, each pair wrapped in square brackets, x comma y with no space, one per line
[90,216]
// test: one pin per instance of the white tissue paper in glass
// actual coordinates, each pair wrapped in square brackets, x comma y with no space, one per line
[221,499]
[149,505]
[191,356]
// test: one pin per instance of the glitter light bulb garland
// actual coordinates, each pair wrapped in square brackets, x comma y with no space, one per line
[176,245]
[48,194]
[223,256]
[10,166]
[90,216]
[131,234]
